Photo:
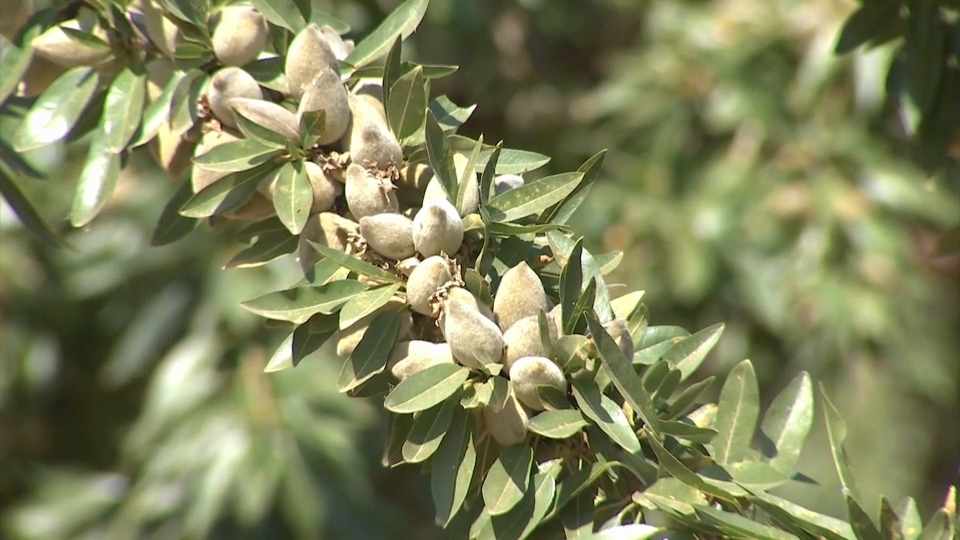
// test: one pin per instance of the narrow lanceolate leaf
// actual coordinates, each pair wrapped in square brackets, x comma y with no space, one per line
[311,335]
[606,414]
[349,261]
[571,285]
[407,104]
[428,430]
[123,109]
[172,226]
[426,388]
[787,423]
[268,247]
[282,358]
[299,304]
[557,424]
[14,62]
[739,526]
[784,511]
[623,376]
[532,198]
[562,211]
[227,193]
[256,132]
[158,111]
[469,172]
[55,112]
[283,13]
[737,413]
[366,303]
[486,183]
[236,156]
[391,71]
[449,115]
[688,354]
[370,356]
[293,196]
[508,479]
[452,468]
[184,107]
[401,22]
[26,212]
[837,433]
[441,160]
[860,521]
[98,179]
[312,126]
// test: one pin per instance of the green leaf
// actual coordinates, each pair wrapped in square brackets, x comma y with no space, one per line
[577,517]
[426,388]
[227,193]
[355,264]
[260,134]
[508,479]
[157,112]
[544,491]
[283,13]
[557,424]
[312,125]
[571,287]
[269,73]
[486,184]
[671,496]
[407,104]
[391,70]
[366,303]
[268,247]
[784,511]
[912,524]
[624,378]
[452,468]
[123,109]
[311,335]
[758,474]
[787,422]
[370,356]
[428,430]
[687,397]
[293,196]
[571,352]
[866,23]
[863,528]
[172,226]
[400,425]
[627,305]
[14,62]
[562,211]
[55,112]
[282,358]
[562,246]
[26,212]
[401,22]
[605,414]
[532,198]
[470,170]
[687,355]
[184,106]
[837,432]
[735,524]
[449,115]
[441,160]
[687,431]
[236,156]
[737,413]
[512,229]
[299,304]
[98,179]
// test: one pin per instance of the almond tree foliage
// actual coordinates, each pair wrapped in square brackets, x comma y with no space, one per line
[444,269]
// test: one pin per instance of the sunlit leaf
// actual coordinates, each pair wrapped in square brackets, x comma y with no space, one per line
[428,430]
[299,304]
[282,13]
[787,422]
[737,413]
[98,179]
[370,356]
[57,110]
[557,424]
[508,479]
[401,22]
[123,109]
[452,468]
[426,388]
[606,414]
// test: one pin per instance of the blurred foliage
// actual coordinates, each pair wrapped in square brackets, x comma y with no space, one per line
[753,177]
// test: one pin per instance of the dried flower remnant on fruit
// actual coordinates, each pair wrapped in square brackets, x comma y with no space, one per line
[229,83]
[308,55]
[529,372]
[239,35]
[519,295]
[437,229]
[474,339]
[390,235]
[368,195]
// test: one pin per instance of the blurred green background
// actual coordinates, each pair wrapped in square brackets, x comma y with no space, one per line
[753,178]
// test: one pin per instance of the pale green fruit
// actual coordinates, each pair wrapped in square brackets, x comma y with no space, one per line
[508,425]
[255,209]
[201,178]
[368,195]
[326,92]
[471,199]
[13,13]
[239,34]
[308,55]
[523,339]
[173,152]
[58,47]
[620,332]
[349,338]
[325,189]
[40,74]
[425,279]
[339,47]
[474,339]
[369,139]
[268,115]
[411,357]
[529,372]
[506,182]
[519,295]
[229,83]
[390,235]
[327,229]
[437,228]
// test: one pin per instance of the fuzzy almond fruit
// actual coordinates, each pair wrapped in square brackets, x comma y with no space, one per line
[327,93]
[369,139]
[459,293]
[523,339]
[239,34]
[519,295]
[506,182]
[58,47]
[437,229]
[425,279]
[201,178]
[325,189]
[390,235]
[508,425]
[368,195]
[349,338]
[326,229]
[411,357]
[229,83]
[529,372]
[341,49]
[474,339]
[620,332]
[269,115]
[309,53]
